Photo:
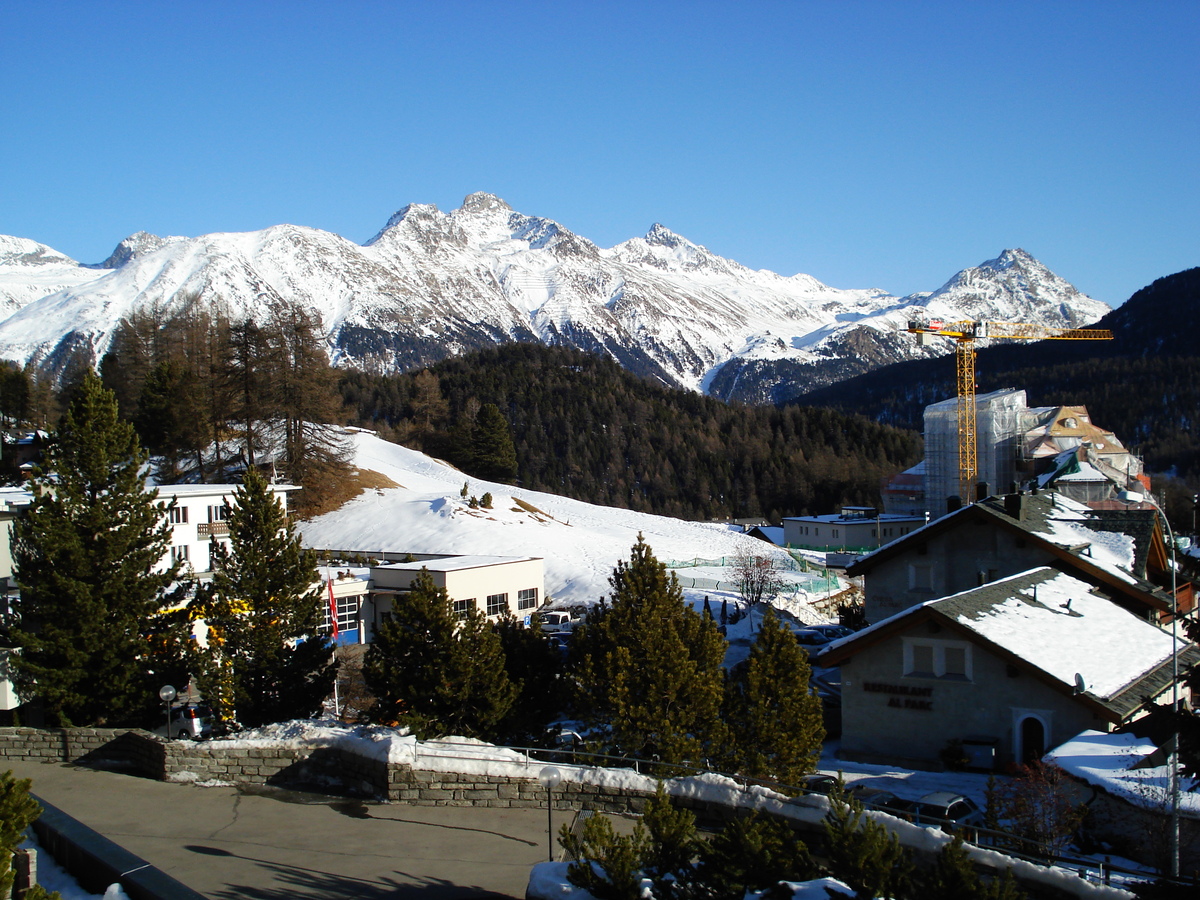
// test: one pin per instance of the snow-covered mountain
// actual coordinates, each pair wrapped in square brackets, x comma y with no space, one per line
[433,284]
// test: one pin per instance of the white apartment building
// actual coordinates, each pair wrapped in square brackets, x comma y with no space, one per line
[198,514]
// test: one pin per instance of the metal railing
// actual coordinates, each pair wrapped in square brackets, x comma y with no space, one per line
[1006,842]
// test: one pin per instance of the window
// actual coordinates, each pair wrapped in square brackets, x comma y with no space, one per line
[178,515]
[927,658]
[527,599]
[920,578]
[347,614]
[218,513]
[179,554]
[497,604]
[462,607]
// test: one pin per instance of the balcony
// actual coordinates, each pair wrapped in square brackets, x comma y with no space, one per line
[210,529]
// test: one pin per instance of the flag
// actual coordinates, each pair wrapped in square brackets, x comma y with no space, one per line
[332,608]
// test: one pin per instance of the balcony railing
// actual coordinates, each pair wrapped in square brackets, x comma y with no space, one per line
[208,529]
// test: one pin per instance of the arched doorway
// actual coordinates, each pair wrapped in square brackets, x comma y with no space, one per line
[1032,740]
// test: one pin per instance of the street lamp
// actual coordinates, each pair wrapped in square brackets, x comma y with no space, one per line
[551,778]
[166,694]
[1174,755]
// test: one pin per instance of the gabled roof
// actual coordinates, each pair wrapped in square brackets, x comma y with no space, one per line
[1052,626]
[1057,524]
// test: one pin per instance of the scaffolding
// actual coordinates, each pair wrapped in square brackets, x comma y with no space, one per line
[998,434]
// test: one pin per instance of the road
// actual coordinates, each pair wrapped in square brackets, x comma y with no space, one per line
[268,844]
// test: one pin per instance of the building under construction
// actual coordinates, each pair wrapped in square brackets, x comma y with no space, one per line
[1048,446]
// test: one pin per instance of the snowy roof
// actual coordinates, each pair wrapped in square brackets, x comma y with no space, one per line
[456,563]
[14,498]
[1056,624]
[211,490]
[1062,524]
[1109,760]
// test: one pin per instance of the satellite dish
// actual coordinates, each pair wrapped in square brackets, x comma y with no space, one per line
[1080,686]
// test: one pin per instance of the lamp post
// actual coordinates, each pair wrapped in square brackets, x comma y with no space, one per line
[551,778]
[166,694]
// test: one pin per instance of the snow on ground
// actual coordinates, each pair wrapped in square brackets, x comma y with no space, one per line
[580,543]
[1108,760]
[54,877]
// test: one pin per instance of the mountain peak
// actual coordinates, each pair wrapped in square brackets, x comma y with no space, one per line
[482,201]
[665,237]
[137,244]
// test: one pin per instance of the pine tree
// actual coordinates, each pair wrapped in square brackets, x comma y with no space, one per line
[265,657]
[650,666]
[493,455]
[532,662]
[88,557]
[752,854]
[18,811]
[775,719]
[434,672]
[863,853]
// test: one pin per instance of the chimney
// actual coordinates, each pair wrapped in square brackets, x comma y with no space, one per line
[953,503]
[1013,505]
[983,490]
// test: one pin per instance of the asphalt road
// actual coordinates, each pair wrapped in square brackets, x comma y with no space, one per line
[268,844]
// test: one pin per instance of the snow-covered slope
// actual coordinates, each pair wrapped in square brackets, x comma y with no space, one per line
[579,542]
[432,284]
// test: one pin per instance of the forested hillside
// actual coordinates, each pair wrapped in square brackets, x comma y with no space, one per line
[583,427]
[1144,385]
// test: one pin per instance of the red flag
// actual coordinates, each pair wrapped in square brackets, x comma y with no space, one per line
[332,609]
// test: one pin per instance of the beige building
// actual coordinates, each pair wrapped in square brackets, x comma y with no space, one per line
[493,585]
[1000,537]
[853,528]
[1008,670]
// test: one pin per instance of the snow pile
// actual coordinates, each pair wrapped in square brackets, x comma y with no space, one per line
[548,881]
[1109,760]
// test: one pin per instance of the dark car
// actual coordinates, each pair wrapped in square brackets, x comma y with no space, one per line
[947,809]
[818,783]
[814,637]
[882,800]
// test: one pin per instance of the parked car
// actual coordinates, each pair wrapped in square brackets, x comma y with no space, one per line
[191,722]
[882,800]
[948,809]
[818,783]
[815,637]
[555,620]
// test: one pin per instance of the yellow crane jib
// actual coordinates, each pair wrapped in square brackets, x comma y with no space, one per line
[964,334]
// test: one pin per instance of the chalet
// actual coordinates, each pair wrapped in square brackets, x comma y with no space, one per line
[1000,537]
[1014,667]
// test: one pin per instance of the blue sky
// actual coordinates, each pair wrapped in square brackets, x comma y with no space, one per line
[869,144]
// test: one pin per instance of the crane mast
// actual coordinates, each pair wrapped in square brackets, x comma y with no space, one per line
[964,334]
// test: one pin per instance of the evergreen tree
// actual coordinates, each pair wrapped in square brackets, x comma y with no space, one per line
[752,854]
[88,557]
[435,673]
[953,877]
[18,811]
[492,453]
[265,658]
[863,853]
[532,662]
[775,719]
[650,666]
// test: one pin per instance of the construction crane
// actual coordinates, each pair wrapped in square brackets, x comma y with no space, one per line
[964,334]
